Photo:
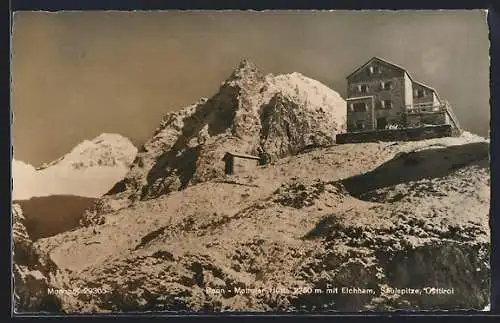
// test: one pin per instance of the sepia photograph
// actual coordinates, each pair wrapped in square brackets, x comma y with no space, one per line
[250,161]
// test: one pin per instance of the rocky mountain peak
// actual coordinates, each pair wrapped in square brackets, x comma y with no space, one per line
[247,66]
[252,113]
[245,75]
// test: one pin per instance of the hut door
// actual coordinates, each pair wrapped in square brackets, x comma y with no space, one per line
[229,166]
[381,123]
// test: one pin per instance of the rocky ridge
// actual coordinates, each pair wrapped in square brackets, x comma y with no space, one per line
[279,114]
[34,273]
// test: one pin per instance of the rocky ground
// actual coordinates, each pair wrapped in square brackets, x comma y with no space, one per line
[329,217]
[178,235]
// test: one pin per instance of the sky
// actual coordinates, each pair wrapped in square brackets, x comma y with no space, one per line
[76,75]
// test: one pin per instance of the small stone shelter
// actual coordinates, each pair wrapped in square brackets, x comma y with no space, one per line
[239,162]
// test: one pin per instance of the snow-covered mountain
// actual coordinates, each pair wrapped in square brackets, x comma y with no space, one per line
[90,169]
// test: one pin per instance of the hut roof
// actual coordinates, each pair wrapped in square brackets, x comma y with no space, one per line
[238,155]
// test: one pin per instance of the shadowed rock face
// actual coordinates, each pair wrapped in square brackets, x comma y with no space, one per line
[287,128]
[33,271]
[379,258]
[281,114]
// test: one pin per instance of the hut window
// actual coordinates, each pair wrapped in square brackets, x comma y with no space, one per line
[420,93]
[359,107]
[373,70]
[386,85]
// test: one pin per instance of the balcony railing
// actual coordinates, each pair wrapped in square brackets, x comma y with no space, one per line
[433,107]
[452,116]
[426,107]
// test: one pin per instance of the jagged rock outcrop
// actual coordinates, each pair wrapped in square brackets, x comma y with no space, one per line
[34,272]
[280,114]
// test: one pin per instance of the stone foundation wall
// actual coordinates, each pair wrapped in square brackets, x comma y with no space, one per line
[408,134]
